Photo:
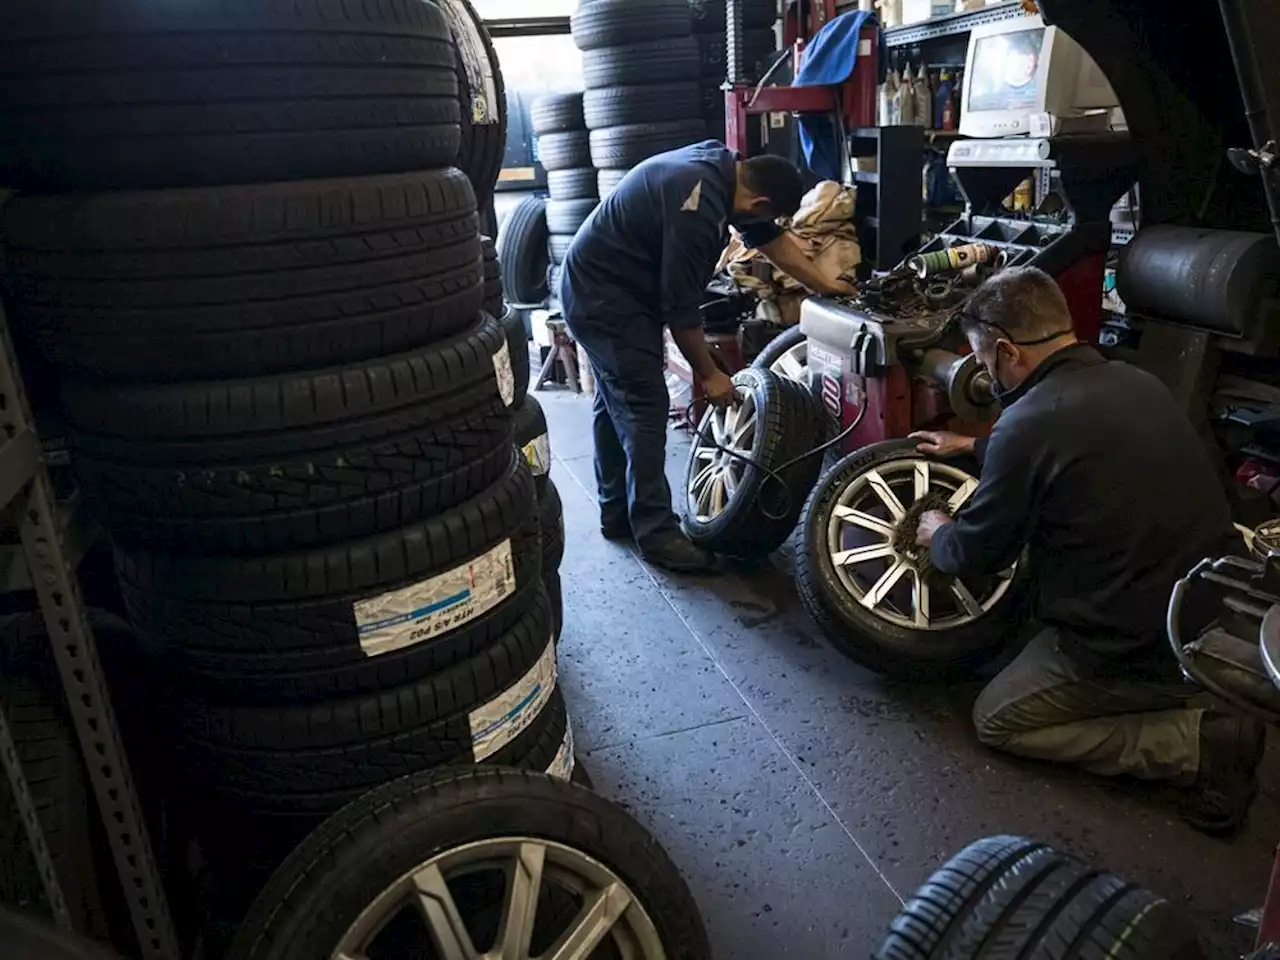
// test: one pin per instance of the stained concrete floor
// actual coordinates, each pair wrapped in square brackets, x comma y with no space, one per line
[803,797]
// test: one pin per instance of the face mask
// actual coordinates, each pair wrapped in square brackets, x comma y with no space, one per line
[998,388]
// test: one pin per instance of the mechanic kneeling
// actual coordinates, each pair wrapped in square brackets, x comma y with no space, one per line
[642,261]
[1095,469]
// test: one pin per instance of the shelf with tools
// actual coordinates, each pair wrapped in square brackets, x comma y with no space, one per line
[951,25]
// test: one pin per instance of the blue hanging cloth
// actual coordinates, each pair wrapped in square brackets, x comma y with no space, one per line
[828,62]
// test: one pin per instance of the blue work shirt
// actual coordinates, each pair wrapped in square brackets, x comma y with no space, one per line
[644,257]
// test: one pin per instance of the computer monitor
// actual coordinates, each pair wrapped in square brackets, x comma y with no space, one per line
[1022,67]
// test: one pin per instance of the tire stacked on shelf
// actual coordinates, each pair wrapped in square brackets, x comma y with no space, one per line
[640,68]
[709,31]
[558,122]
[286,401]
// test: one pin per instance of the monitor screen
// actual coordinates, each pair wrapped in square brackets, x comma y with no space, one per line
[1004,69]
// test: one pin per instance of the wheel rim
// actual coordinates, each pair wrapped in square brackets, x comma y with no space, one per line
[793,363]
[715,476]
[886,582]
[530,899]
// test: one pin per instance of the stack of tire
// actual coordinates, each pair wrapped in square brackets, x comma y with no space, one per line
[709,31]
[571,180]
[287,402]
[640,67]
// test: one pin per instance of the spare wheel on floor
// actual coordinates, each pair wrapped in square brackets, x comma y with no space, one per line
[863,581]
[391,866]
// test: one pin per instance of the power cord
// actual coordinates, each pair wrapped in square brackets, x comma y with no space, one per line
[774,474]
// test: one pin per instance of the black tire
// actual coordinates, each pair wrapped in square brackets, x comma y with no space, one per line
[652,103]
[493,303]
[522,251]
[577,184]
[708,16]
[558,247]
[314,458]
[555,591]
[285,757]
[564,151]
[556,113]
[872,640]
[713,55]
[566,216]
[236,281]
[638,63]
[325,884]
[282,628]
[158,96]
[760,515]
[625,146]
[608,180]
[518,348]
[1011,897]
[779,345]
[551,527]
[612,23]
[532,438]
[49,751]
[483,144]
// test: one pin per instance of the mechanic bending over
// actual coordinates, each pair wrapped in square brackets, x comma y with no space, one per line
[1095,469]
[641,262]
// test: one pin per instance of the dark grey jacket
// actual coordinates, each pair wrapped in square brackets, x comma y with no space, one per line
[1092,466]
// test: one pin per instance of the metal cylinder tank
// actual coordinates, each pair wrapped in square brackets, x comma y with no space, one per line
[1213,279]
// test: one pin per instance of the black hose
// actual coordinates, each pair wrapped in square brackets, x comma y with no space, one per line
[774,474]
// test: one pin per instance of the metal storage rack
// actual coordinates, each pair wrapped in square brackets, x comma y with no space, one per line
[950,25]
[27,495]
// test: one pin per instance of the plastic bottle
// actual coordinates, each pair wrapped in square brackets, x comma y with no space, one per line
[940,101]
[891,101]
[924,99]
[905,99]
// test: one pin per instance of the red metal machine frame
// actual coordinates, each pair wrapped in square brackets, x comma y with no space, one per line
[854,100]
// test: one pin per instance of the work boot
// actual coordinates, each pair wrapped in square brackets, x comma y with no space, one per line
[612,529]
[678,555]
[1230,749]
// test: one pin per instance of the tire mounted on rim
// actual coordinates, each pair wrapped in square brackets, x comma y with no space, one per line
[870,598]
[549,865]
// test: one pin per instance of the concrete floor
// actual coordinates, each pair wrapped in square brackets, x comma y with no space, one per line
[803,797]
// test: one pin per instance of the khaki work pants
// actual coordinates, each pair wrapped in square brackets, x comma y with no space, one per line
[1043,706]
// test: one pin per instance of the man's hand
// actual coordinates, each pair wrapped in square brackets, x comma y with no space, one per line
[931,521]
[719,389]
[942,443]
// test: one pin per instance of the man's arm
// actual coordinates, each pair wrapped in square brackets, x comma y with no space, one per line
[995,523]
[784,253]
[692,241]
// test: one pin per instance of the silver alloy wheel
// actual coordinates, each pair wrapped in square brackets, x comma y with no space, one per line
[889,583]
[608,913]
[794,363]
[714,475]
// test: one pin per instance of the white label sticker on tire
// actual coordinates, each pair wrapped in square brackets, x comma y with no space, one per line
[562,765]
[431,607]
[506,377]
[538,453]
[503,718]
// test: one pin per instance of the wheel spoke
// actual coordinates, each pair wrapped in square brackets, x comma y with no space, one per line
[730,482]
[921,478]
[921,599]
[717,494]
[886,494]
[444,923]
[864,520]
[704,453]
[592,924]
[871,599]
[702,477]
[790,366]
[739,439]
[966,598]
[963,493]
[876,551]
[516,932]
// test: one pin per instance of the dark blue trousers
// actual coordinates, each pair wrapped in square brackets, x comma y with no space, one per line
[630,430]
